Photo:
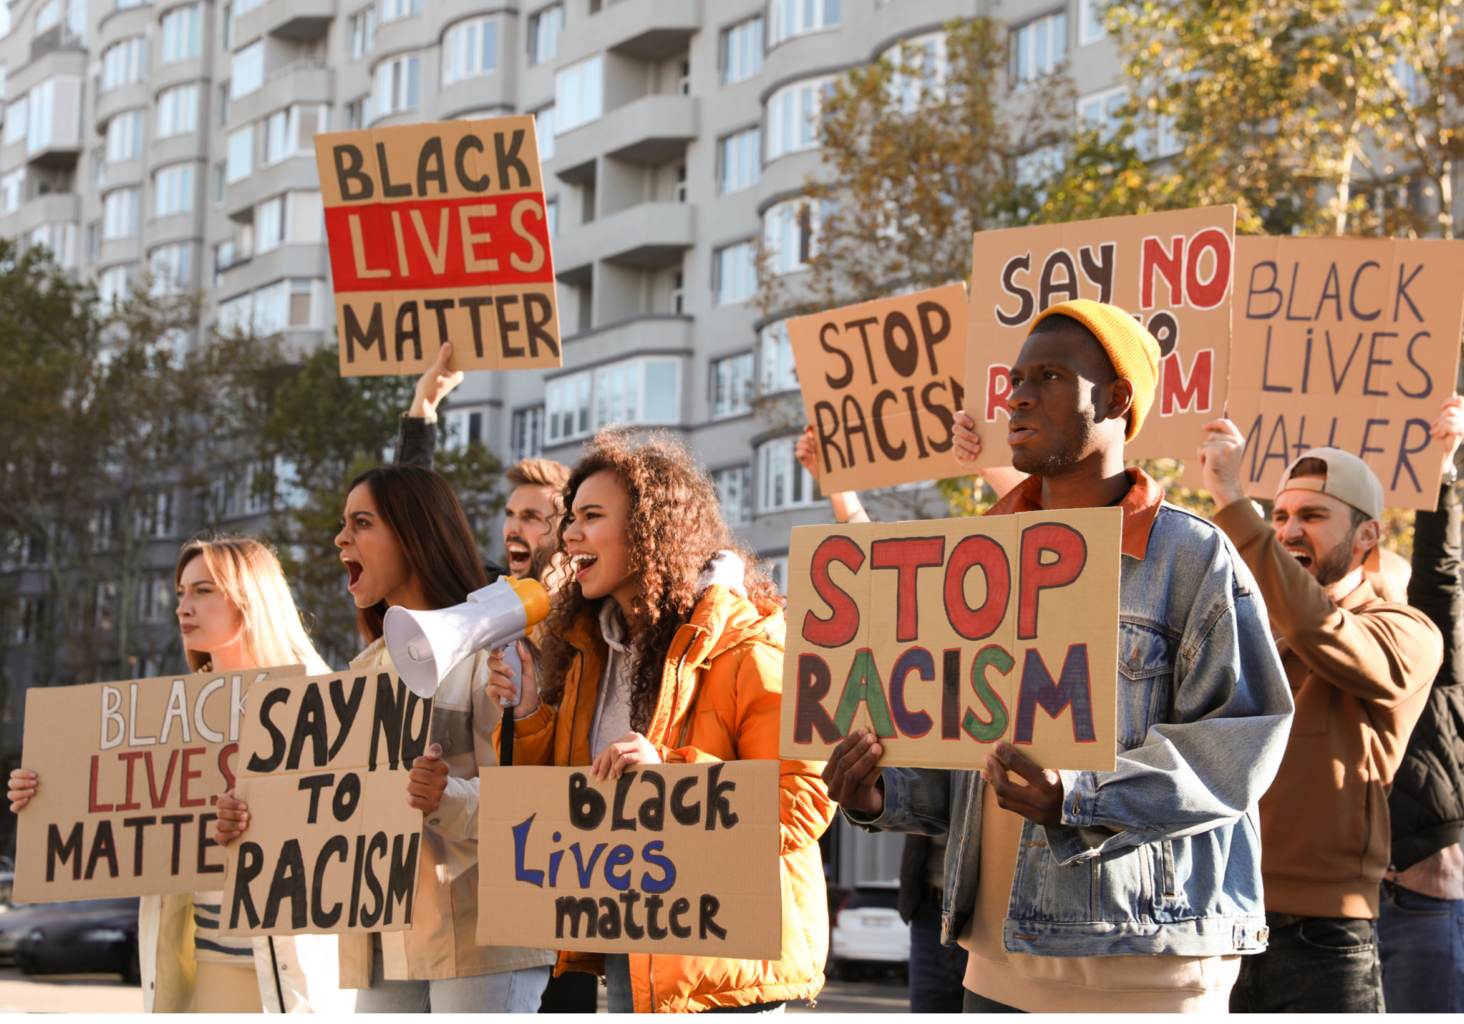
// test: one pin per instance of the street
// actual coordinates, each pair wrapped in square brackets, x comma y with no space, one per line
[100,993]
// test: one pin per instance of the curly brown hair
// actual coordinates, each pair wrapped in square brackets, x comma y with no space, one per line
[675,530]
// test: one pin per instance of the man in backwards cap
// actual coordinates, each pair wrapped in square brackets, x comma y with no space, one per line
[1135,889]
[1360,670]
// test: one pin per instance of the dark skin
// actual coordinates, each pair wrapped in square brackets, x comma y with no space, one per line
[1069,416]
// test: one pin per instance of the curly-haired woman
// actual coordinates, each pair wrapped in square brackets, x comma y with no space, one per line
[666,648]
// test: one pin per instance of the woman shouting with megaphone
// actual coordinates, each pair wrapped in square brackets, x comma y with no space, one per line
[666,647]
[406,542]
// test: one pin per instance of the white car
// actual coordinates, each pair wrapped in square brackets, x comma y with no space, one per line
[868,931]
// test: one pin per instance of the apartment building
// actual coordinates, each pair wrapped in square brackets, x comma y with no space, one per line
[176,135]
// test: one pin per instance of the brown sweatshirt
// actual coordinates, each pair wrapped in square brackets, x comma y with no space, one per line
[1360,674]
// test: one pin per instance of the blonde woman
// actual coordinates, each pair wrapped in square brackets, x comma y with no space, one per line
[236,613]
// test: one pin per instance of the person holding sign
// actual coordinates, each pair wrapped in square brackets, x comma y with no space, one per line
[666,648]
[236,613]
[405,541]
[1134,889]
[1360,668]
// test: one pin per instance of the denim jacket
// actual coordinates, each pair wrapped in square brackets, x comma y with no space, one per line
[1162,855]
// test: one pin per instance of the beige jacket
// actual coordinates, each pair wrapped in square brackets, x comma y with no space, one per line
[442,940]
[300,969]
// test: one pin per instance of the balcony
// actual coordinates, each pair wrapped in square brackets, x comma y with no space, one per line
[292,174]
[50,208]
[650,130]
[302,81]
[287,19]
[123,97]
[648,236]
[302,259]
[644,29]
[665,334]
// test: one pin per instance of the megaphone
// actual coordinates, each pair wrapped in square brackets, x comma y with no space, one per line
[426,646]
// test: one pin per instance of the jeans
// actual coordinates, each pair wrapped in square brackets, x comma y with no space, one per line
[620,999]
[972,1003]
[936,971]
[1312,965]
[505,992]
[1421,944]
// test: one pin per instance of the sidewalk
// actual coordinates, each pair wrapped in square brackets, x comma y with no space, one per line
[67,993]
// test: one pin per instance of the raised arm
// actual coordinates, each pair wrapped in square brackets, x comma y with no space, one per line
[417,429]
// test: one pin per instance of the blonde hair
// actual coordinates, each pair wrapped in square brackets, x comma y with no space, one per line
[249,575]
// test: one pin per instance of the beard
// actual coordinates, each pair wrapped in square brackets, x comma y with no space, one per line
[1337,563]
[1055,462]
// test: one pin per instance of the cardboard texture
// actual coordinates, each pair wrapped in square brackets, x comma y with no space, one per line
[1171,270]
[128,813]
[1347,343]
[438,232]
[332,844]
[945,636]
[670,858]
[880,383]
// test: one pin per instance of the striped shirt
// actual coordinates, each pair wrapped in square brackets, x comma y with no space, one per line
[208,944]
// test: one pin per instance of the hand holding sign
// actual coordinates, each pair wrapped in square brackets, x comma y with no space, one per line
[1449,427]
[1039,800]
[22,788]
[853,773]
[434,385]
[233,819]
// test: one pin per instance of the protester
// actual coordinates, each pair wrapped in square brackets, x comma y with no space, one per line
[1419,938]
[666,646]
[1359,669]
[1132,890]
[405,542]
[235,613]
[936,972]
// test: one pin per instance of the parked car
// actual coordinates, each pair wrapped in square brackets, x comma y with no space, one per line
[77,937]
[868,932]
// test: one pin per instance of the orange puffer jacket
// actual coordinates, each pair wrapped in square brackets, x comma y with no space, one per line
[721,692]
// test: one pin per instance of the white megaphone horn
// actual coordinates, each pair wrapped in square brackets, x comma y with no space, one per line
[426,645]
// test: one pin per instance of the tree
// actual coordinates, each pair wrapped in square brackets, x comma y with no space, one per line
[322,430]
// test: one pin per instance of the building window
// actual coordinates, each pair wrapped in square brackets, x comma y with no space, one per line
[248,73]
[470,49]
[741,157]
[276,137]
[551,216]
[114,284]
[94,241]
[782,482]
[358,113]
[124,63]
[119,213]
[796,17]
[790,232]
[775,352]
[302,302]
[12,190]
[48,16]
[544,132]
[241,154]
[742,51]
[363,33]
[177,111]
[1091,21]
[391,10]
[527,441]
[174,192]
[124,137]
[55,113]
[172,267]
[732,390]
[182,33]
[734,489]
[1038,47]
[17,117]
[777,570]
[396,85]
[635,391]
[578,94]
[58,238]
[1101,110]
[792,116]
[736,271]
[462,427]
[99,168]
[544,29]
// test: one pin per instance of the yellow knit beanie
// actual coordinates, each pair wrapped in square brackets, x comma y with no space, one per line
[1133,350]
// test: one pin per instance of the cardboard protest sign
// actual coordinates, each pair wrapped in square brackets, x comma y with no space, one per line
[332,844]
[1172,271]
[1346,343]
[438,232]
[125,812]
[669,858]
[945,636]
[881,381]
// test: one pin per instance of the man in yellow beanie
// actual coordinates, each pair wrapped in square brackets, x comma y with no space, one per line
[1135,890]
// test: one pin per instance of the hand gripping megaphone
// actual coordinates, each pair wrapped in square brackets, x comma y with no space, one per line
[426,646]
